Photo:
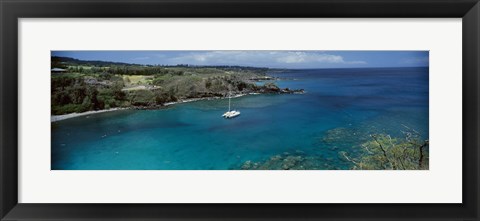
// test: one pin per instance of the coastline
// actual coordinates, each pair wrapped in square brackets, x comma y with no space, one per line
[56,118]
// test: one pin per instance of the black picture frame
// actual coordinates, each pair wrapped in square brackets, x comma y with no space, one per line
[12,10]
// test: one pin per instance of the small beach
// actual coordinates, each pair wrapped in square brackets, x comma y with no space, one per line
[55,118]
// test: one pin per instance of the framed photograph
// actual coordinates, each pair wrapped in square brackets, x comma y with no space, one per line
[259,110]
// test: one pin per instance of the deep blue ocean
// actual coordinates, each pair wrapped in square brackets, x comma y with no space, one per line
[194,136]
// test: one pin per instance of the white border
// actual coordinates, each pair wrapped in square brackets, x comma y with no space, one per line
[441,184]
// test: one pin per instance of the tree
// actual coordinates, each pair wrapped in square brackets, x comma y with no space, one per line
[93,93]
[78,94]
[383,152]
[142,98]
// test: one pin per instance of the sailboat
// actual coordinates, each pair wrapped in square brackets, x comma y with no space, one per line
[230,113]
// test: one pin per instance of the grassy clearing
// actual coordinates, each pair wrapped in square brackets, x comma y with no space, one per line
[131,80]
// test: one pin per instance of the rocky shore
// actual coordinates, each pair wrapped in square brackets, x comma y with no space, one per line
[271,88]
[297,160]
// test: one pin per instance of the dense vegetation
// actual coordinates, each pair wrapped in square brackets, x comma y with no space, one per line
[95,85]
[383,152]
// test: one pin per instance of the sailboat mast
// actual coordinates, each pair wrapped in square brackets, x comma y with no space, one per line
[229,97]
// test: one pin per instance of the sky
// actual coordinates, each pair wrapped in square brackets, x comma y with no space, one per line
[271,59]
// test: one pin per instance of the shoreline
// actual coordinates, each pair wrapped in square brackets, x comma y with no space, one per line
[56,118]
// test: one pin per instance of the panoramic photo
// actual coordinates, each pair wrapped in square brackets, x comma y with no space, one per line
[240,110]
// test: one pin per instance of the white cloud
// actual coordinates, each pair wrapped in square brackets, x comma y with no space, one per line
[416,61]
[303,57]
[140,58]
[260,58]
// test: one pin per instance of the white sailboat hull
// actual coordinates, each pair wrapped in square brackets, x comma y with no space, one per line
[231,114]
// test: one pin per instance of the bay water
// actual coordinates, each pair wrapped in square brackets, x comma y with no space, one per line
[194,136]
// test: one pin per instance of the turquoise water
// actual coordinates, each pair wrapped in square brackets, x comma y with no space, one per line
[194,136]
